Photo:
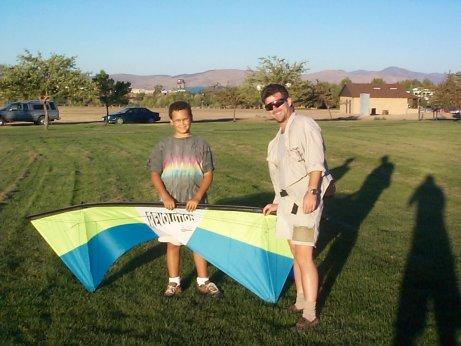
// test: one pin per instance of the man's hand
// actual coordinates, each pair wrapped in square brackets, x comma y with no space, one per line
[168,202]
[310,202]
[191,204]
[270,208]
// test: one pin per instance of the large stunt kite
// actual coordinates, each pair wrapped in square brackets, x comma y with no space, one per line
[240,241]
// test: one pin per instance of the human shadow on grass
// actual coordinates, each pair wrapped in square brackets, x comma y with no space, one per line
[429,280]
[157,250]
[341,229]
[339,171]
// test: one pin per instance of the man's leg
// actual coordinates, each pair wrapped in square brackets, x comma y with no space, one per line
[304,257]
[299,303]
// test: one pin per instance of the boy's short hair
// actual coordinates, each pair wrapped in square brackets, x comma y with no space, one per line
[272,89]
[178,106]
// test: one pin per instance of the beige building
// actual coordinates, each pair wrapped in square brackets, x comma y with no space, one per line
[373,99]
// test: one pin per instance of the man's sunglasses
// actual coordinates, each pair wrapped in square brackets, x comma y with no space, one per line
[276,103]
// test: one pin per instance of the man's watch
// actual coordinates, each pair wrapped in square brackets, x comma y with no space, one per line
[313,191]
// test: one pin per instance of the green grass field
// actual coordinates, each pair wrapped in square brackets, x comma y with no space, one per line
[388,256]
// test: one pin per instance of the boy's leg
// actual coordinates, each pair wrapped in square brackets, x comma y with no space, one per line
[201,265]
[172,259]
[204,285]
[172,263]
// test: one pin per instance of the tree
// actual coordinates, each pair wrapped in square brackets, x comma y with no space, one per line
[207,97]
[230,97]
[448,93]
[302,94]
[427,83]
[378,81]
[276,70]
[345,81]
[409,84]
[322,95]
[38,77]
[110,92]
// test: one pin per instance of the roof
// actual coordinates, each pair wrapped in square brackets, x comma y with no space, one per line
[375,90]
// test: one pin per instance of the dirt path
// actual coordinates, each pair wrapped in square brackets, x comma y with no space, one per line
[91,114]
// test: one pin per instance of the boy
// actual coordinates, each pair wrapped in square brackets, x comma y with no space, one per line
[182,171]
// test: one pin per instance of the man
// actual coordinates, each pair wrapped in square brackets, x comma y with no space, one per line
[296,158]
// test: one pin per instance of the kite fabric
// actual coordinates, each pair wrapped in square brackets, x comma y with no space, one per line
[240,241]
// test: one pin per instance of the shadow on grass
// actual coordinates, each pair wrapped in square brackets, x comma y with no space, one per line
[158,250]
[221,120]
[350,117]
[254,200]
[429,281]
[58,123]
[188,280]
[2,205]
[340,171]
[341,230]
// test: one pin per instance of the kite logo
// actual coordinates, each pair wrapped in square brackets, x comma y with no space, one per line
[178,224]
[159,219]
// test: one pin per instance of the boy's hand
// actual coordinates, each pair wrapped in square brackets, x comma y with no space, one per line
[192,204]
[168,202]
[270,208]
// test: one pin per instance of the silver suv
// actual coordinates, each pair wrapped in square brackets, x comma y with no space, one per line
[31,111]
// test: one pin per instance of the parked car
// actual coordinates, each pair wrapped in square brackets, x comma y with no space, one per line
[456,113]
[31,111]
[132,115]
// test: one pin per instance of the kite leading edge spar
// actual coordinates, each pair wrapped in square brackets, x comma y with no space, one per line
[240,241]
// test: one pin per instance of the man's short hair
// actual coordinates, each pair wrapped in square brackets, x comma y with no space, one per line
[179,106]
[272,89]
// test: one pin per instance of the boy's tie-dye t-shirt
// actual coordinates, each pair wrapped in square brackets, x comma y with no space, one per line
[182,163]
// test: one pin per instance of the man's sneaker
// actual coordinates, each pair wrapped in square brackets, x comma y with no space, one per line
[209,288]
[172,289]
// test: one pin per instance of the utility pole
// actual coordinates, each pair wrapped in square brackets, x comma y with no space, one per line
[419,111]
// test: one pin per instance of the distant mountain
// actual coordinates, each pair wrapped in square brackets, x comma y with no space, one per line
[225,77]
[232,77]
[390,75]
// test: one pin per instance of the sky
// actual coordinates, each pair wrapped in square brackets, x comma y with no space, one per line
[177,37]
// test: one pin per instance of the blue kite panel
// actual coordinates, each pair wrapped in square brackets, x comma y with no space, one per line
[90,262]
[261,271]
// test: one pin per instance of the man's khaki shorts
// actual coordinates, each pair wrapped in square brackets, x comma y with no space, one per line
[299,228]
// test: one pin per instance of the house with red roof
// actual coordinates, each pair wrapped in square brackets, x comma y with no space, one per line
[375,99]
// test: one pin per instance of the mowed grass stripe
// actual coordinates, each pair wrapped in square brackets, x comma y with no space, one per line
[29,263]
[16,169]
